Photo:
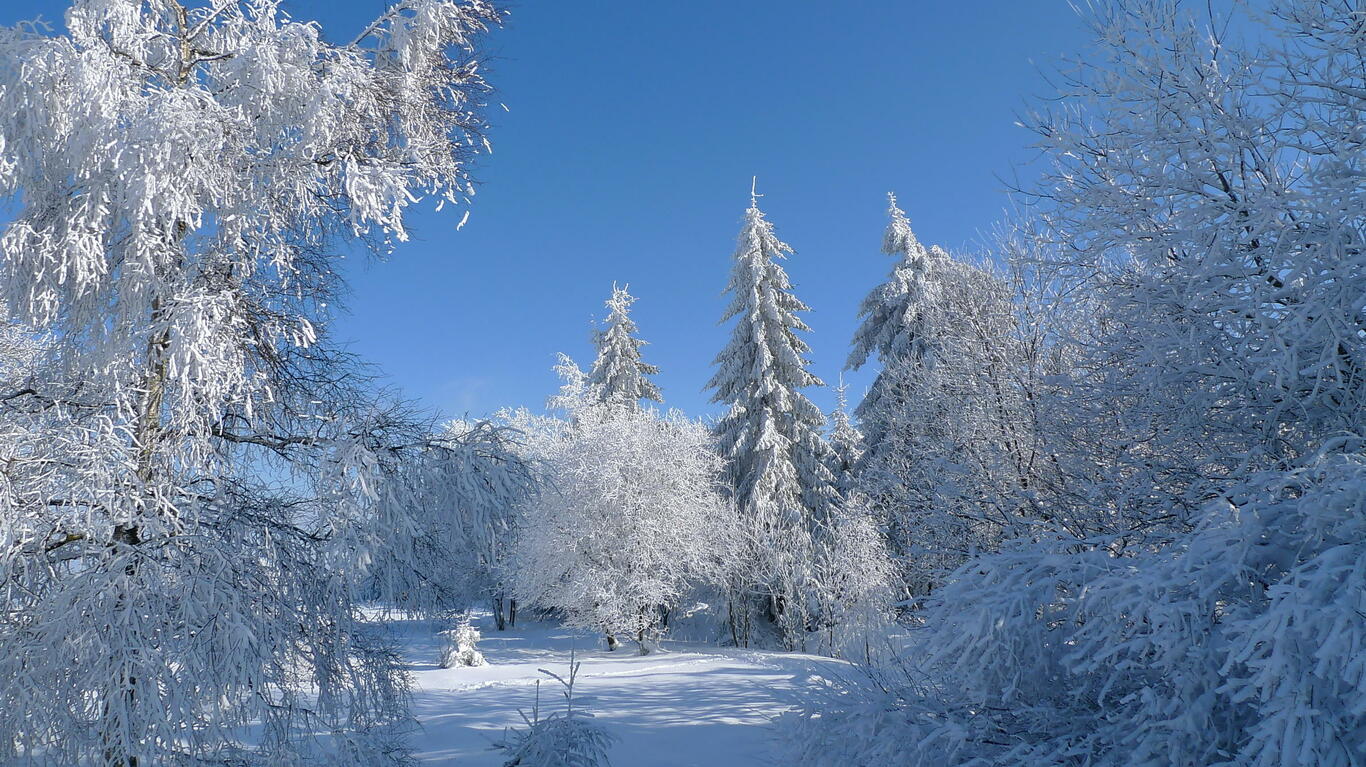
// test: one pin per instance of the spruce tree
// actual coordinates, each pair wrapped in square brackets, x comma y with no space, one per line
[778,463]
[895,324]
[845,439]
[619,374]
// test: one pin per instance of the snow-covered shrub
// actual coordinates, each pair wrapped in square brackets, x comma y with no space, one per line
[459,645]
[565,738]
[1243,644]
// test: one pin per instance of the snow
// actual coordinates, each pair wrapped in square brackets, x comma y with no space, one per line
[684,705]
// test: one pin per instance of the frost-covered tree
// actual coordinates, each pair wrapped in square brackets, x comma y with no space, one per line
[845,440]
[462,491]
[961,449]
[852,583]
[778,463]
[896,323]
[1206,189]
[631,520]
[196,487]
[618,374]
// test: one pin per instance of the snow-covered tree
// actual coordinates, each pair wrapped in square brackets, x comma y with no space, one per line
[852,583]
[896,323]
[960,442]
[1210,609]
[462,491]
[198,485]
[845,440]
[778,464]
[562,738]
[618,374]
[460,645]
[631,520]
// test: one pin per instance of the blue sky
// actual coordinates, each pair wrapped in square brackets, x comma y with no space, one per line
[632,131]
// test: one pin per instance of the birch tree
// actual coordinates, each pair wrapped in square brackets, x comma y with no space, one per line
[192,491]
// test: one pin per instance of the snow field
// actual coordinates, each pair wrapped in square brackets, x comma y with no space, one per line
[682,706]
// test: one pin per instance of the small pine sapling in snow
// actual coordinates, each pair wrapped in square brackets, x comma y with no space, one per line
[566,738]
[459,645]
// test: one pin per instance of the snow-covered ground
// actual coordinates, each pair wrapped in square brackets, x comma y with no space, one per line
[683,706]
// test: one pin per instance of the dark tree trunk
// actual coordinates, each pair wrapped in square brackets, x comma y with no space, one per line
[498,620]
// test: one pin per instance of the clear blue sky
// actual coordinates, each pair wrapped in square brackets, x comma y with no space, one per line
[626,154]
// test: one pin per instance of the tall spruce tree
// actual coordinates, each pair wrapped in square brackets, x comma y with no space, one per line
[895,319]
[619,374]
[778,463]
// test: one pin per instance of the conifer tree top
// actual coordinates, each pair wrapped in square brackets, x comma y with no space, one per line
[771,434]
[844,436]
[619,373]
[764,343]
[893,311]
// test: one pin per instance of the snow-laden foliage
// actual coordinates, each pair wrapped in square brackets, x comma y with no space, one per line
[619,374]
[1195,597]
[950,421]
[845,440]
[778,463]
[896,325]
[563,738]
[962,448]
[459,645]
[459,494]
[630,520]
[1243,644]
[1224,227]
[196,484]
[852,583]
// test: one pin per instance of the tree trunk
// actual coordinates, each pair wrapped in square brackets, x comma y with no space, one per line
[498,613]
[127,537]
[512,612]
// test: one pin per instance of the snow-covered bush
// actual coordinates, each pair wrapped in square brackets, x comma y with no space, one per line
[459,645]
[630,520]
[567,738]
[1243,644]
